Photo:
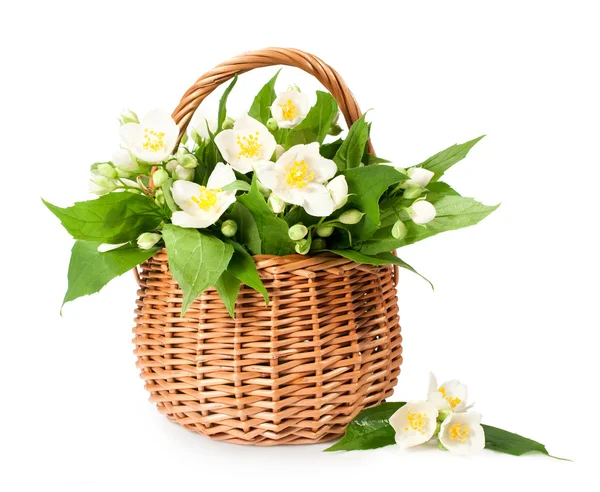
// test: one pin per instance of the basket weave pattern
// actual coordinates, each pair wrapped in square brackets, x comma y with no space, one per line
[296,371]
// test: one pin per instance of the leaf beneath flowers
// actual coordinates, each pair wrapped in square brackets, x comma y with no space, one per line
[444,160]
[272,230]
[261,106]
[510,443]
[90,270]
[196,260]
[243,267]
[247,232]
[370,429]
[114,218]
[228,287]
[350,153]
[223,103]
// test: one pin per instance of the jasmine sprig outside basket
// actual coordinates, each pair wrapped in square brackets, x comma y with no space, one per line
[277,181]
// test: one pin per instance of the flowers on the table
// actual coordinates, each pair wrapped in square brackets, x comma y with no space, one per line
[462,433]
[153,138]
[203,205]
[421,212]
[247,146]
[451,394]
[414,423]
[299,176]
[290,108]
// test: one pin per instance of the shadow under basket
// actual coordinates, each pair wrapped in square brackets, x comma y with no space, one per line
[297,371]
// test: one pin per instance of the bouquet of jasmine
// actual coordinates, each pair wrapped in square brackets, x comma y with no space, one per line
[276,181]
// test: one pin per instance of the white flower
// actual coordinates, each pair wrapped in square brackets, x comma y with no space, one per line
[298,178]
[247,145]
[204,120]
[203,205]
[338,189]
[418,177]
[125,161]
[451,394]
[153,138]
[462,433]
[421,212]
[290,108]
[414,423]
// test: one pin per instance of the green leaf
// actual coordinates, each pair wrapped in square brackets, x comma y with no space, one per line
[114,218]
[444,160]
[385,258]
[329,150]
[317,123]
[236,185]
[510,443]
[370,429]
[272,230]
[166,189]
[228,287]
[370,159]
[223,103]
[350,153]
[243,267]
[366,185]
[247,233]
[196,260]
[90,270]
[452,212]
[261,106]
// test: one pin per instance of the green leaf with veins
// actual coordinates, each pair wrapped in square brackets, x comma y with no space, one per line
[196,260]
[90,270]
[247,232]
[317,123]
[228,287]
[350,153]
[261,106]
[444,160]
[114,218]
[243,267]
[223,103]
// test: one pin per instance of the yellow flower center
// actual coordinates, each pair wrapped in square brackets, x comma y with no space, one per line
[459,432]
[249,146]
[452,400]
[153,140]
[299,175]
[288,110]
[206,199]
[417,421]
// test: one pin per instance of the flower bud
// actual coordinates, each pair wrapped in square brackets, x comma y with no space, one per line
[293,88]
[187,161]
[419,176]
[275,203]
[264,191]
[412,192]
[128,116]
[351,216]
[171,166]
[124,160]
[318,244]
[159,177]
[272,124]
[229,228]
[279,149]
[228,124]
[302,247]
[399,230]
[421,212]
[159,197]
[336,118]
[183,174]
[101,185]
[297,232]
[147,240]
[335,130]
[106,170]
[325,231]
[196,136]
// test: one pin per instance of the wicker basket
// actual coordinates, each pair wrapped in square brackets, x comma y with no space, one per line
[297,371]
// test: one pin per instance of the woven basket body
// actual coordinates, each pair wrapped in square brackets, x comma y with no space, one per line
[296,371]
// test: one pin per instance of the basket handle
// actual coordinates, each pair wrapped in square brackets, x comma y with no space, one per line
[265,58]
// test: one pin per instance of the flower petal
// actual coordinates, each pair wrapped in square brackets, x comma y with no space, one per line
[182,192]
[325,170]
[414,423]
[184,219]
[221,176]
[225,142]
[338,189]
[462,433]
[317,200]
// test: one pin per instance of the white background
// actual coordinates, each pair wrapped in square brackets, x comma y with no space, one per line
[514,313]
